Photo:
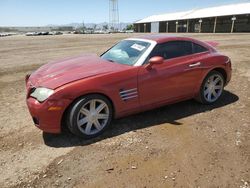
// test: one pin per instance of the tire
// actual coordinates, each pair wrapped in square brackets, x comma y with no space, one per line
[212,88]
[90,116]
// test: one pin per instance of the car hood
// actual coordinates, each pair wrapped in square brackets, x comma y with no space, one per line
[56,74]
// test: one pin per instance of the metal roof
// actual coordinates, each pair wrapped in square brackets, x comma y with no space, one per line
[226,10]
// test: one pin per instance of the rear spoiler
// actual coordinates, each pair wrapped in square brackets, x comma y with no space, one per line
[212,43]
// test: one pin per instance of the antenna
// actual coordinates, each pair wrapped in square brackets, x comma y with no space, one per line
[113,15]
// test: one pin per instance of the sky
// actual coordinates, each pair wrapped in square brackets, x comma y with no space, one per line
[60,12]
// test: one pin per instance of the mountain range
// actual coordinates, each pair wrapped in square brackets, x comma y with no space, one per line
[92,25]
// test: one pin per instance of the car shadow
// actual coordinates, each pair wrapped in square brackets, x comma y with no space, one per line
[167,114]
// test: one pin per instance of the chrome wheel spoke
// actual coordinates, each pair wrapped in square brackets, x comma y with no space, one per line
[82,121]
[217,87]
[88,128]
[97,125]
[84,111]
[102,116]
[92,105]
[214,93]
[100,107]
[218,79]
[209,96]
[206,91]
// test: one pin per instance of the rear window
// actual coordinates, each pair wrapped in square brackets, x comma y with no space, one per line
[198,48]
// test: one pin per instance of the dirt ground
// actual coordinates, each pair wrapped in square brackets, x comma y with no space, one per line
[181,145]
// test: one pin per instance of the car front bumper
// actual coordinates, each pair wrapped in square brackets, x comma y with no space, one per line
[48,115]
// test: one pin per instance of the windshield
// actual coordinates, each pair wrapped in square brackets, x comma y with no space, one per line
[126,52]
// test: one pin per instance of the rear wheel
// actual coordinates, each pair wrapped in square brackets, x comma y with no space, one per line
[211,88]
[89,116]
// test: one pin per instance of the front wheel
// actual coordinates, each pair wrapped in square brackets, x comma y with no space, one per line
[211,88]
[89,116]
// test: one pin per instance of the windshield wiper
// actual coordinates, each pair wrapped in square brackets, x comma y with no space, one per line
[110,60]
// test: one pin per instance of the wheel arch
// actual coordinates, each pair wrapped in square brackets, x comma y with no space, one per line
[66,111]
[222,71]
[218,69]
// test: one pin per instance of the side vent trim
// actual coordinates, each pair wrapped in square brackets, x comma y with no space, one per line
[128,94]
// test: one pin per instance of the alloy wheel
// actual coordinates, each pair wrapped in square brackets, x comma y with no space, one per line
[213,88]
[93,117]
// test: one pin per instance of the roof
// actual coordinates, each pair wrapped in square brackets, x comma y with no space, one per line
[226,10]
[162,38]
[157,37]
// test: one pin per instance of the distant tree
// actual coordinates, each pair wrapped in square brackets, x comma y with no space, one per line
[130,27]
[94,26]
[105,27]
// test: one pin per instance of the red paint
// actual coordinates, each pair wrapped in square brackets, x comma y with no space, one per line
[212,43]
[161,84]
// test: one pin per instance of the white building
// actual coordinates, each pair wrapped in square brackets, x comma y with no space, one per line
[221,19]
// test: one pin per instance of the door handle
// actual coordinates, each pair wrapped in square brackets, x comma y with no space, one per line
[195,64]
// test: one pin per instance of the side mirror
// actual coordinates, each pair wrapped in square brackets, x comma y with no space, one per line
[156,60]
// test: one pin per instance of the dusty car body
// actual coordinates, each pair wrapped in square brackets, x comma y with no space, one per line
[135,75]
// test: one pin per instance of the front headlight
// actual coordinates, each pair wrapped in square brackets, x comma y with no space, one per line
[41,94]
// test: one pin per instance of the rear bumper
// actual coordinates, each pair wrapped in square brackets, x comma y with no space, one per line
[229,72]
[43,117]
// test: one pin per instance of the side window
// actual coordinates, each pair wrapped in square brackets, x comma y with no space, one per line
[198,48]
[172,49]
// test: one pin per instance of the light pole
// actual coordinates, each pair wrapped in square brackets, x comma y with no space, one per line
[145,28]
[233,20]
[200,21]
[167,27]
[187,26]
[215,22]
[176,26]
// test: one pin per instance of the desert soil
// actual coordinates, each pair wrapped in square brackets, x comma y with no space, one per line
[181,145]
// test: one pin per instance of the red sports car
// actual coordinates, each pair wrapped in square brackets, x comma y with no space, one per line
[135,75]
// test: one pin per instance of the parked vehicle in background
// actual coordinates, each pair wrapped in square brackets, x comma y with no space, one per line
[129,31]
[57,33]
[43,33]
[6,34]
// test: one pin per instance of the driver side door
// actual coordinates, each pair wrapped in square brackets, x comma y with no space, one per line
[172,80]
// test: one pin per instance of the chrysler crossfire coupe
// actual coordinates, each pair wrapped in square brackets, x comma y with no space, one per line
[85,93]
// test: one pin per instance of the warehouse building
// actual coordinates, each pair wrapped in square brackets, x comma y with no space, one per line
[222,19]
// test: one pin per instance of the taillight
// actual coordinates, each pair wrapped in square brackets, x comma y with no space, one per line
[229,63]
